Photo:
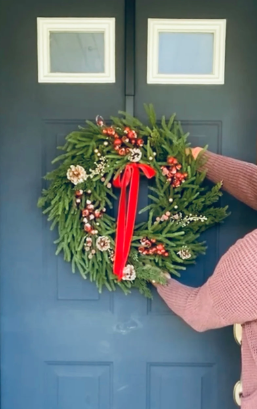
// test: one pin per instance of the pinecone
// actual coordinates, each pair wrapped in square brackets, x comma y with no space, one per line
[103,243]
[184,253]
[76,174]
[129,273]
[135,155]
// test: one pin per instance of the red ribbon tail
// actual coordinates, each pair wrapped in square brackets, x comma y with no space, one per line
[126,222]
[121,223]
[131,214]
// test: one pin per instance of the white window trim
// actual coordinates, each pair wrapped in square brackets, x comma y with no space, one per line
[47,25]
[216,27]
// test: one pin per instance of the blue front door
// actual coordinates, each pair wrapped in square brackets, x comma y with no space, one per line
[64,346]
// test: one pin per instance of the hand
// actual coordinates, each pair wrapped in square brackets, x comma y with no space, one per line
[166,275]
[194,151]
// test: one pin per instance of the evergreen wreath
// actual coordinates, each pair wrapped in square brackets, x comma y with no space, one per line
[81,192]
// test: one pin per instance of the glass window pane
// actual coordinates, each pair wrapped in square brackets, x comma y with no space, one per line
[76,52]
[185,53]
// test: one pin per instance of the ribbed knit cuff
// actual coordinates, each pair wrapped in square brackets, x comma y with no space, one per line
[175,295]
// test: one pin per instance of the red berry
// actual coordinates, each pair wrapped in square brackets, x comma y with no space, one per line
[97,213]
[127,129]
[171,160]
[146,243]
[105,131]
[125,139]
[132,135]
[176,183]
[85,212]
[117,142]
[179,176]
[122,151]
[88,228]
[165,170]
[133,141]
[111,131]
[140,142]
[116,136]
[166,254]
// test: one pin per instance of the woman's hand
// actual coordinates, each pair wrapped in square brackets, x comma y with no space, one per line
[166,275]
[194,151]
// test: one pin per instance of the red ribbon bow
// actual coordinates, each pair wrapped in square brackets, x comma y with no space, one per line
[126,219]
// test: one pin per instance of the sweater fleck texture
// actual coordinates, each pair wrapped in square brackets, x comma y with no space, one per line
[230,294]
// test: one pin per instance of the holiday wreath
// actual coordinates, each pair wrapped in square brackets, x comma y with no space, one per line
[99,160]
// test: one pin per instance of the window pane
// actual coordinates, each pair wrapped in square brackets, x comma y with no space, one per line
[185,53]
[76,52]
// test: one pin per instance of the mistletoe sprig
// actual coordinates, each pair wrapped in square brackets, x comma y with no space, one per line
[80,195]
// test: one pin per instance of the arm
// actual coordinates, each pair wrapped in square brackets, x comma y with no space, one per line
[228,297]
[193,305]
[239,178]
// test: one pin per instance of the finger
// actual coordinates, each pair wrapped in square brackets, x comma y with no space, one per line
[166,275]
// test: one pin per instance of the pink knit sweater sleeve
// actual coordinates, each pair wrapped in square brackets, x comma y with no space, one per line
[228,297]
[225,298]
[239,178]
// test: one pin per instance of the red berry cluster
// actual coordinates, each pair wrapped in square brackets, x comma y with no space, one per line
[172,172]
[150,247]
[120,142]
[89,215]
